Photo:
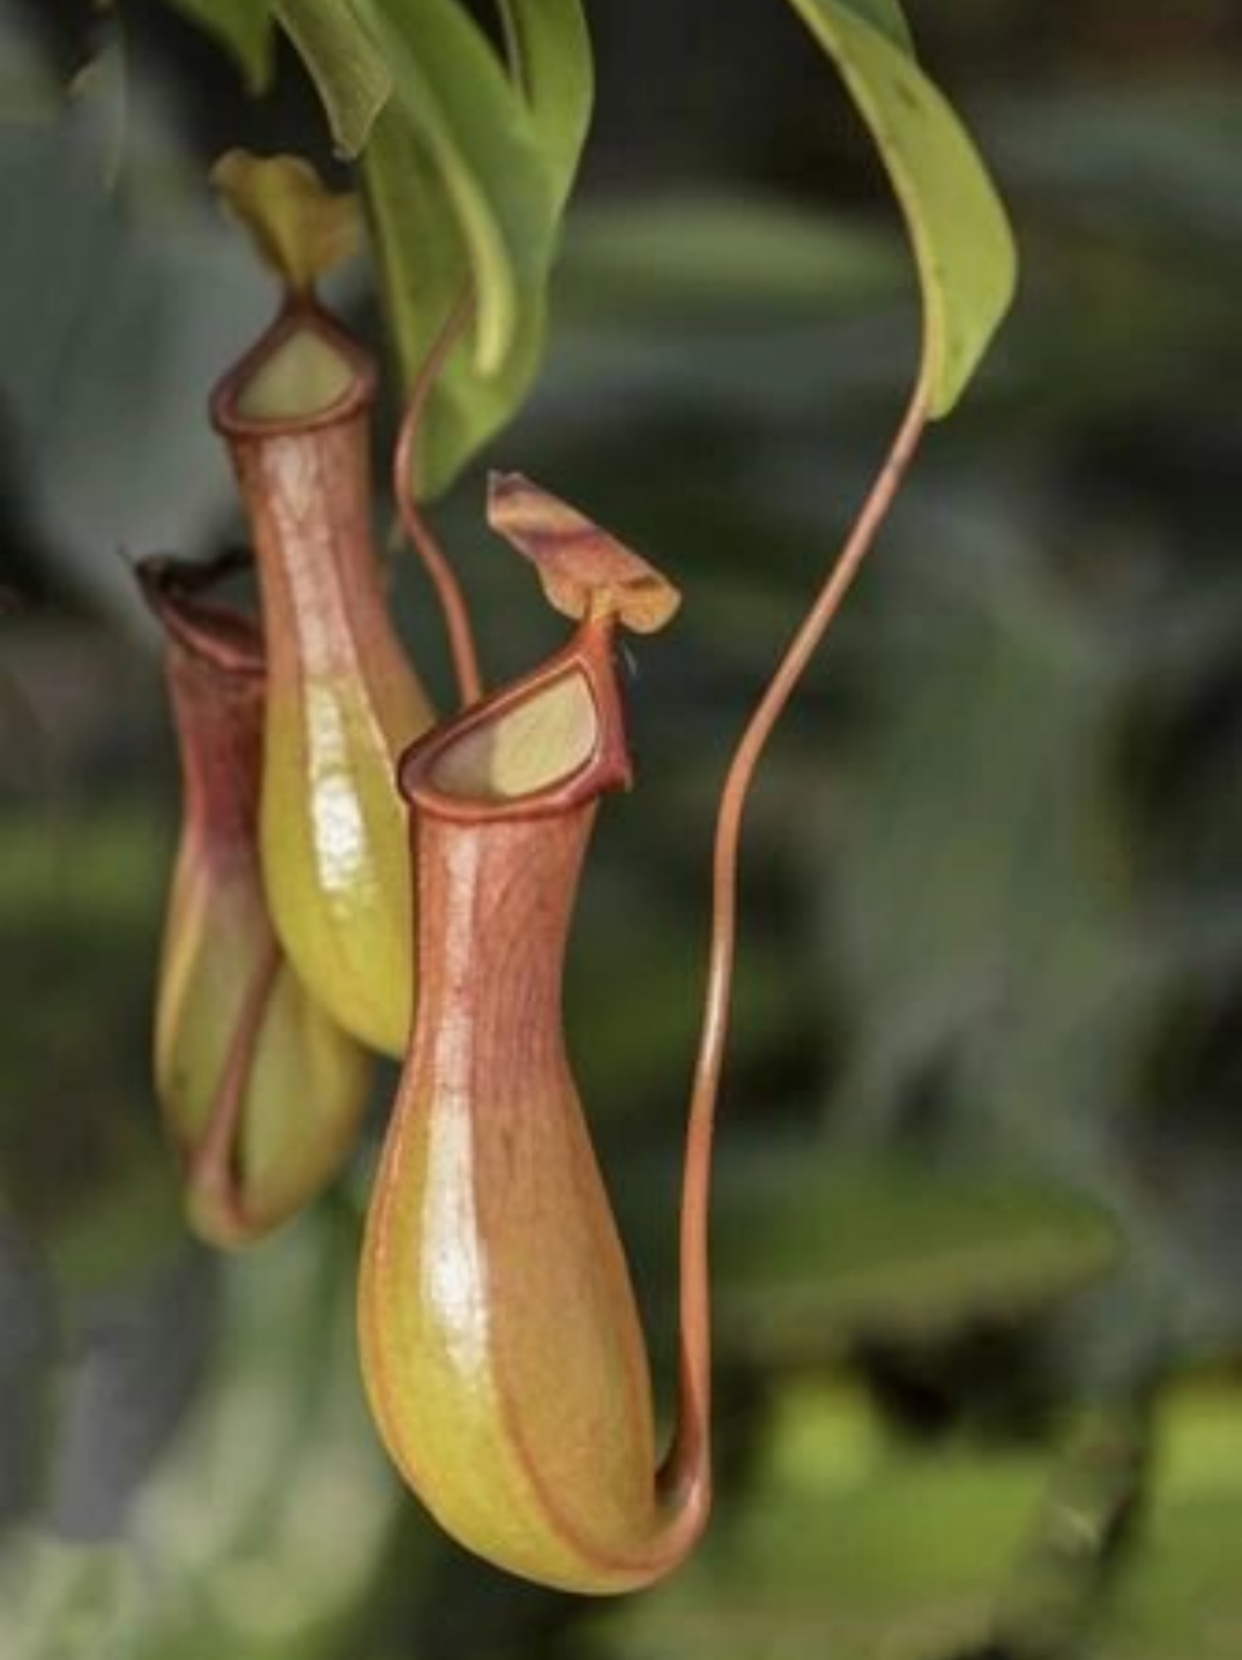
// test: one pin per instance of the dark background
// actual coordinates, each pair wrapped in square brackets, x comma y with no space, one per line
[979,1228]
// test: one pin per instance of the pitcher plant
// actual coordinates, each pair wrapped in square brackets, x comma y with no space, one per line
[501,1346]
[261,1091]
[501,1341]
[342,699]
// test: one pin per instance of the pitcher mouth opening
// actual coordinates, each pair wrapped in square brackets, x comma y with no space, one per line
[531,747]
[185,596]
[304,372]
[541,746]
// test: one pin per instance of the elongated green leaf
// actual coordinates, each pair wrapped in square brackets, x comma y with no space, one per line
[244,26]
[425,271]
[343,60]
[550,59]
[808,1254]
[886,16]
[465,172]
[463,203]
[452,97]
[961,237]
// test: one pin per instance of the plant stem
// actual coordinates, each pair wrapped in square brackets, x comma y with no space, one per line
[691,1448]
[448,590]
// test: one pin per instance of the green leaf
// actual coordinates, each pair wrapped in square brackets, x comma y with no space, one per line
[886,16]
[808,1253]
[1095,1495]
[452,97]
[244,27]
[63,1598]
[278,1437]
[549,53]
[847,1546]
[465,174]
[345,63]
[423,273]
[961,237]
[102,95]
[1181,1589]
[462,203]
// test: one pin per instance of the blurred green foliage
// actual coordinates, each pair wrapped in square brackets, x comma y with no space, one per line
[979,1231]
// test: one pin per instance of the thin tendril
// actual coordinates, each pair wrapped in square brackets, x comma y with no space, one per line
[443,579]
[688,1464]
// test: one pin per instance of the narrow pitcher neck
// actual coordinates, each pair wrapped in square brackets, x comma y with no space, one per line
[496,903]
[295,413]
[219,718]
[504,799]
[216,677]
